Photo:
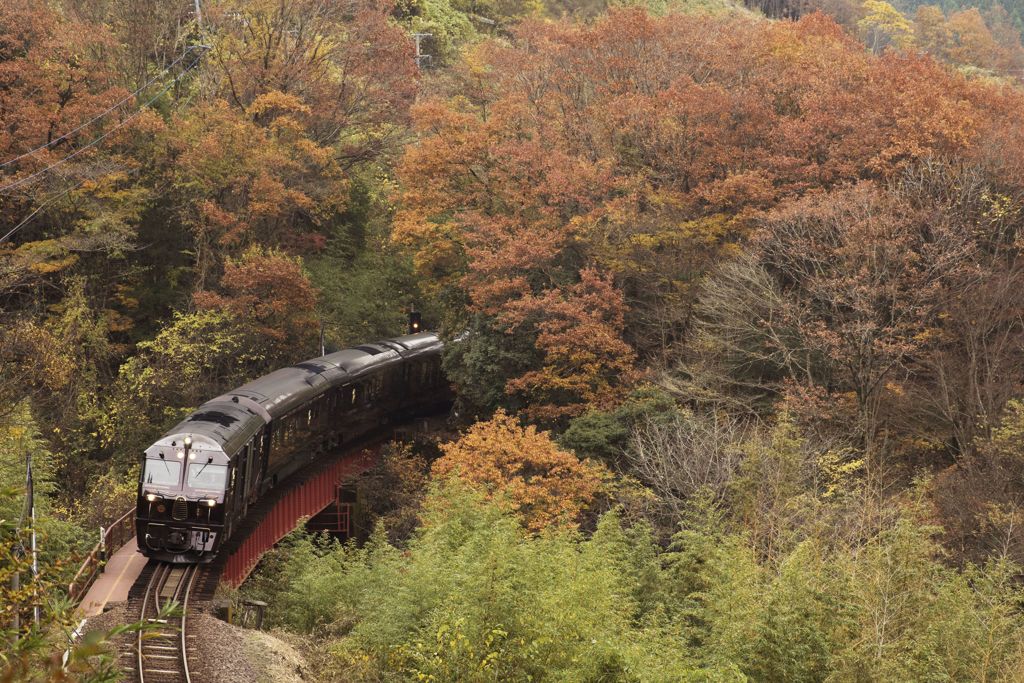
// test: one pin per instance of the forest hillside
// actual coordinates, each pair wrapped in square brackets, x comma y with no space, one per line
[738,289]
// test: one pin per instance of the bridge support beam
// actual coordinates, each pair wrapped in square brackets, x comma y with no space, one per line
[304,499]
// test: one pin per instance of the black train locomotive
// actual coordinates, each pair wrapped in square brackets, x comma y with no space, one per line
[199,479]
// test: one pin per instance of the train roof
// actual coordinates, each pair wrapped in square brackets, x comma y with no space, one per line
[225,422]
[421,341]
[232,418]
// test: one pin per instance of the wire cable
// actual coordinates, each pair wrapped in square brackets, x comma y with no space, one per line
[99,116]
[22,181]
[51,200]
[39,208]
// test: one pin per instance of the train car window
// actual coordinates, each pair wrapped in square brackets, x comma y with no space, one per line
[257,462]
[250,463]
[160,472]
[257,447]
[243,477]
[207,476]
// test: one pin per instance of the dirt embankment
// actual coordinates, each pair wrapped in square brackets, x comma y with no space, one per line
[226,654]
[222,653]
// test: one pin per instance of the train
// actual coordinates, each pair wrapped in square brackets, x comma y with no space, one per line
[198,481]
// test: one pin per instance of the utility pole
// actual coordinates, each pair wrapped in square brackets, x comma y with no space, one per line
[199,15]
[30,485]
[420,57]
[15,587]
[29,511]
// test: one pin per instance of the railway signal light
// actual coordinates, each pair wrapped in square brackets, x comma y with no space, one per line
[415,322]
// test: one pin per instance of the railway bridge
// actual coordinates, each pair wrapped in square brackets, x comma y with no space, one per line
[116,572]
[318,492]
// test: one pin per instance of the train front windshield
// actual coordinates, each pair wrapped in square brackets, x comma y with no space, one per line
[162,472]
[208,477]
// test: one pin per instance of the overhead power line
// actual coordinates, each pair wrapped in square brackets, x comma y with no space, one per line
[101,138]
[39,208]
[99,116]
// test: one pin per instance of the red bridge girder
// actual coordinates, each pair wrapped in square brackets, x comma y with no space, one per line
[303,500]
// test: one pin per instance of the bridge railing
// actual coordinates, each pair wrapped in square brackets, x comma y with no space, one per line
[112,538]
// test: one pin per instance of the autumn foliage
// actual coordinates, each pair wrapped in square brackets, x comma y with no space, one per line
[523,470]
[638,151]
[763,257]
[267,291]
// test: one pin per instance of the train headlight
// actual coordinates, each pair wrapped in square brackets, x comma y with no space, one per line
[151,497]
[188,441]
[192,456]
[209,501]
[180,454]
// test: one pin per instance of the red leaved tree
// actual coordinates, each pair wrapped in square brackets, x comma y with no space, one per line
[267,291]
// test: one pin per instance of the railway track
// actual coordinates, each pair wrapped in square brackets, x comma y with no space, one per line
[161,652]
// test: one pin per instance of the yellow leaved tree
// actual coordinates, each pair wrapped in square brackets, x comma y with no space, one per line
[883,25]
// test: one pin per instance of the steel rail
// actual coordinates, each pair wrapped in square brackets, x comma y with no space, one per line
[142,615]
[157,585]
[184,614]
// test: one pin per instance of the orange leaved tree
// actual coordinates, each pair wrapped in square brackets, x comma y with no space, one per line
[523,469]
